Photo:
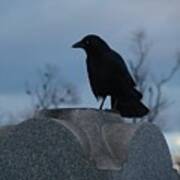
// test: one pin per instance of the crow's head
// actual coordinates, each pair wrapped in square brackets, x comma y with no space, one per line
[92,43]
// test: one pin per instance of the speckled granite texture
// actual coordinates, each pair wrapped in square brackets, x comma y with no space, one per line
[42,149]
[149,156]
[39,149]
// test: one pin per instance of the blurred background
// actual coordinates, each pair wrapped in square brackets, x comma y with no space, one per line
[39,69]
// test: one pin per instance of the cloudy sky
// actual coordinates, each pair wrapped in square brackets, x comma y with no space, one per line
[38,32]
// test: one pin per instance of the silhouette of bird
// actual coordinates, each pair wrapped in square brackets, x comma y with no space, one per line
[109,76]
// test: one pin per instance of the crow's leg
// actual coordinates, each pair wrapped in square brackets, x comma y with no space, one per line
[114,105]
[114,102]
[102,103]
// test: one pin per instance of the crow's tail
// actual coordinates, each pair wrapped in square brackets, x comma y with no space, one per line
[130,109]
[136,94]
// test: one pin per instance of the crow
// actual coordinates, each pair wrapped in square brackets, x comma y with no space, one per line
[109,76]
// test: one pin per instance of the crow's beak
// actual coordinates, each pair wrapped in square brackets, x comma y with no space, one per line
[78,45]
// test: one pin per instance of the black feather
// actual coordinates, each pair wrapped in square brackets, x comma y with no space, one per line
[109,76]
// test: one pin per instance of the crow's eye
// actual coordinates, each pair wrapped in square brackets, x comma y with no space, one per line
[87,42]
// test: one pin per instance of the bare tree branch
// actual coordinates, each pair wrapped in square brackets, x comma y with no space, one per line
[50,91]
[153,91]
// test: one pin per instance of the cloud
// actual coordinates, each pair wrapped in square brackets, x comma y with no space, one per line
[113,16]
[34,33]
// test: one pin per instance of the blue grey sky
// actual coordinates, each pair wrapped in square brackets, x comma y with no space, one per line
[34,33]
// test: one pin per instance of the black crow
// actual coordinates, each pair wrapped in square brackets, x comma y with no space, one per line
[109,76]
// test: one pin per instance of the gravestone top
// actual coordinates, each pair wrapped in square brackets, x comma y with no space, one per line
[83,144]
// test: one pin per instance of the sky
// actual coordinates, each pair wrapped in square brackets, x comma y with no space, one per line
[38,32]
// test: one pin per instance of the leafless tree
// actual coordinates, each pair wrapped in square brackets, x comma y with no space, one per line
[152,90]
[50,91]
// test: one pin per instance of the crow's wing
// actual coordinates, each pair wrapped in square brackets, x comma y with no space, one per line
[119,78]
[117,69]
